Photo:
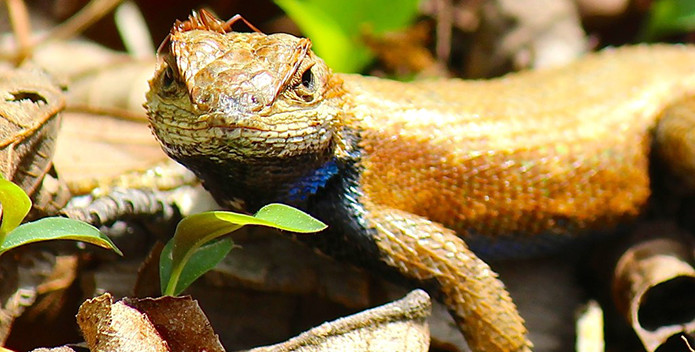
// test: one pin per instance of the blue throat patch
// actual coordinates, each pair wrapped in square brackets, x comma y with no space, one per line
[311,183]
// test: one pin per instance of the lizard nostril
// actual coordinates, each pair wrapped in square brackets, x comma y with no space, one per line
[203,102]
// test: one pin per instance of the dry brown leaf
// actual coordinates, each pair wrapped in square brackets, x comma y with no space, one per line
[117,327]
[54,349]
[117,90]
[69,60]
[10,304]
[50,313]
[97,147]
[397,326]
[180,321]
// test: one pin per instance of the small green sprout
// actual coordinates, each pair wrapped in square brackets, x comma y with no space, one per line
[197,245]
[15,207]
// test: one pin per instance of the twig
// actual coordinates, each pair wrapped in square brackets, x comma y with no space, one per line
[133,29]
[687,343]
[92,12]
[21,27]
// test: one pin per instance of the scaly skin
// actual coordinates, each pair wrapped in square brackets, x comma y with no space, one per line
[404,173]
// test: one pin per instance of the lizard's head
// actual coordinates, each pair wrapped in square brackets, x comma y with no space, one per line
[251,103]
[259,95]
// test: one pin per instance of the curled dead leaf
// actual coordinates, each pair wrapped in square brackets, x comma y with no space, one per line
[653,287]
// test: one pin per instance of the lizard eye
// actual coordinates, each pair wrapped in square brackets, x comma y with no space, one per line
[305,87]
[308,79]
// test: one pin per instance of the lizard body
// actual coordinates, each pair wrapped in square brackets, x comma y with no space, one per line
[406,173]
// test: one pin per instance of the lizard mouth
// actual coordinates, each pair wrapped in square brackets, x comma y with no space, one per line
[228,124]
[237,131]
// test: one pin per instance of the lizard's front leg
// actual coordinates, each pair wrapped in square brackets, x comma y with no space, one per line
[427,251]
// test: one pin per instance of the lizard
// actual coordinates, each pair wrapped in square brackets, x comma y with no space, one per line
[422,178]
[29,121]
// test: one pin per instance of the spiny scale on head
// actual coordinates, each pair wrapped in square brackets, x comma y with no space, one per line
[205,20]
[202,20]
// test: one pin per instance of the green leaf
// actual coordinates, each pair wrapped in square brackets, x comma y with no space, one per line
[15,206]
[202,260]
[196,230]
[56,228]
[285,217]
[336,27]
[669,17]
